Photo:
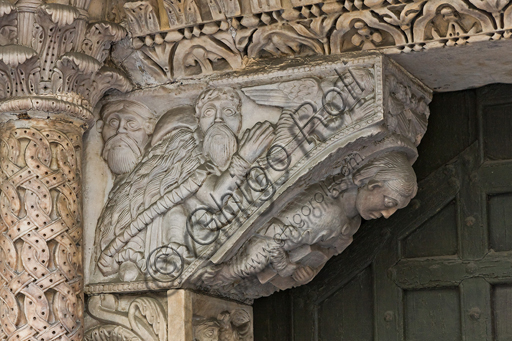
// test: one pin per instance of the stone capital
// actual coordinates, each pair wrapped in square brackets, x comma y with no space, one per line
[52,60]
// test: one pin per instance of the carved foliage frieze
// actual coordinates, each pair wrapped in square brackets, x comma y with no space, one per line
[274,28]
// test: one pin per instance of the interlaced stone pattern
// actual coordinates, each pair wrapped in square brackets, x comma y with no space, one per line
[41,232]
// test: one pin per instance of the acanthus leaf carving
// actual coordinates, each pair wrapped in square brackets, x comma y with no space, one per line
[182,13]
[160,54]
[144,318]
[142,17]
[74,72]
[55,34]
[205,51]
[8,23]
[99,37]
[19,70]
[408,12]
[107,78]
[280,40]
[61,15]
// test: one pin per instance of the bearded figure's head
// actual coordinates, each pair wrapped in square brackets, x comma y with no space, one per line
[126,127]
[220,118]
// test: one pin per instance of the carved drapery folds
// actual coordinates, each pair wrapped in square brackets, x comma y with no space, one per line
[257,185]
[51,76]
[162,30]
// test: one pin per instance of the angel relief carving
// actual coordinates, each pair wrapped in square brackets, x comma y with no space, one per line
[189,181]
[193,160]
[294,246]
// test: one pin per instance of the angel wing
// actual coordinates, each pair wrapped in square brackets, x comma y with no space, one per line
[286,94]
[168,174]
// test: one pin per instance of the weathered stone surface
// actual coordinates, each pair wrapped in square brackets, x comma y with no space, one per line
[178,315]
[174,41]
[51,77]
[257,185]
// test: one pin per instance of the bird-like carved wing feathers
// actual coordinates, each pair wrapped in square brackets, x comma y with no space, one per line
[286,94]
[167,166]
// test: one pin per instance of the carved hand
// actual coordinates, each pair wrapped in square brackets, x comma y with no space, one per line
[107,265]
[255,141]
[303,274]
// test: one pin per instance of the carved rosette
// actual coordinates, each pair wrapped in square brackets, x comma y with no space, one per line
[51,76]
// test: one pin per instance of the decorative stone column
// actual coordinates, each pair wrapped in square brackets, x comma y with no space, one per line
[52,75]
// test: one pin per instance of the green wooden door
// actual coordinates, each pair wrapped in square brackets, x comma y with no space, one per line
[440,269]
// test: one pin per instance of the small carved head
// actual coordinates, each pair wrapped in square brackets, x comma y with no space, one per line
[207,330]
[386,184]
[219,113]
[220,105]
[126,127]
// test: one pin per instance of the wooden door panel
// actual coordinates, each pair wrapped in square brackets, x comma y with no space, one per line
[348,314]
[432,315]
[499,212]
[436,237]
[497,125]
[502,298]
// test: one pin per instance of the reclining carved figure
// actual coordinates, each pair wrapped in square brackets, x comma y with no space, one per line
[292,248]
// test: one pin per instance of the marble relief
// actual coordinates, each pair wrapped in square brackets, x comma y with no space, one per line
[253,187]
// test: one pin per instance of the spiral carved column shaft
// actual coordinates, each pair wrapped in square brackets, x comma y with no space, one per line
[41,275]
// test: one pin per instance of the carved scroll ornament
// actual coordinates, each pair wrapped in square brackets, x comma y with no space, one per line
[232,33]
[176,315]
[200,202]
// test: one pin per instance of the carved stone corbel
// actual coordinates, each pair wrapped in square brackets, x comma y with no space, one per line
[52,75]
[250,190]
[330,127]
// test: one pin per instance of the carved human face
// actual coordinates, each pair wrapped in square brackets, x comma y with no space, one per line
[207,331]
[221,122]
[220,111]
[125,134]
[125,122]
[376,200]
